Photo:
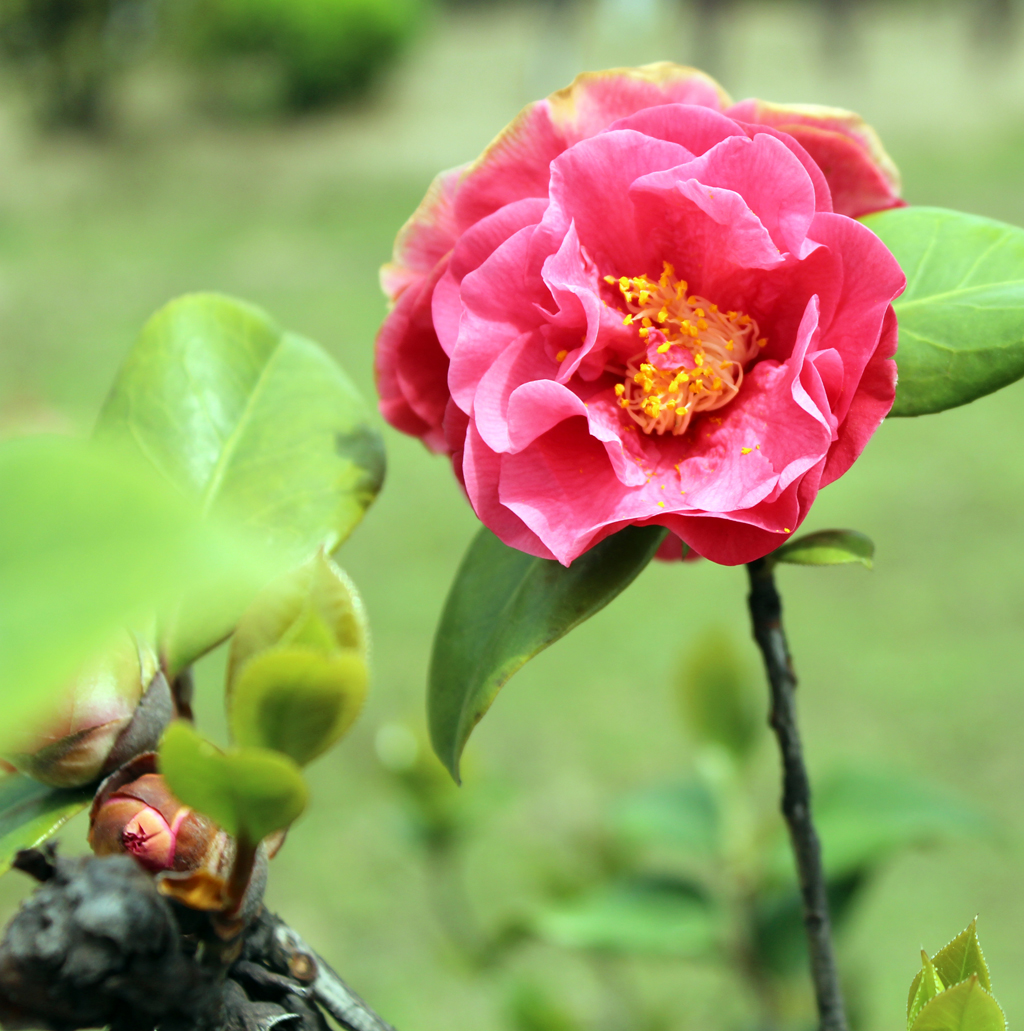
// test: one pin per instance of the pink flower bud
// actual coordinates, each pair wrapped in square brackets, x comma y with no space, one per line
[142,818]
[115,709]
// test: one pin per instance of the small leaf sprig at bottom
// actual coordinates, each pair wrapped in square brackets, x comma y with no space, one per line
[953,990]
[296,682]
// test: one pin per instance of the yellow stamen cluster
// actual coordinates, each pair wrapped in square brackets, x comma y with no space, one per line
[719,344]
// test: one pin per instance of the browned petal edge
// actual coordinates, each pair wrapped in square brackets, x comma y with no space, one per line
[396,274]
[860,130]
[562,103]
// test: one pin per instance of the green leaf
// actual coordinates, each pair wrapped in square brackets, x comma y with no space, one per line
[257,424]
[250,792]
[719,703]
[297,700]
[926,986]
[649,916]
[827,548]
[90,542]
[964,1007]
[503,608]
[961,317]
[316,605]
[681,815]
[864,817]
[31,812]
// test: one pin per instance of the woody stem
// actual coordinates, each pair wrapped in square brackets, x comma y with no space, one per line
[766,618]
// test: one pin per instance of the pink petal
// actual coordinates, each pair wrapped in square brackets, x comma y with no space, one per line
[425,239]
[860,174]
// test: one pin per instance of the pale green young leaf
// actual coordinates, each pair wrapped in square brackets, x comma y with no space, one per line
[31,812]
[827,548]
[961,317]
[258,424]
[964,1007]
[298,700]
[92,541]
[506,606]
[962,958]
[250,792]
[925,987]
[315,605]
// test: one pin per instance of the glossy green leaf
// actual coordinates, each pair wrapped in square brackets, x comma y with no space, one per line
[961,317]
[250,792]
[652,916]
[31,812]
[964,1007]
[503,608]
[683,816]
[297,700]
[257,424]
[827,548]
[316,606]
[720,703]
[926,986]
[91,541]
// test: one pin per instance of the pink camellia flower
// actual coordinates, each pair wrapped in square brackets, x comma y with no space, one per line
[642,305]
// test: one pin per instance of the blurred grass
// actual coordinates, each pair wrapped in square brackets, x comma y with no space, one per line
[916,666]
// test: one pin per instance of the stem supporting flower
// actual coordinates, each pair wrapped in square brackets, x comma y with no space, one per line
[766,620]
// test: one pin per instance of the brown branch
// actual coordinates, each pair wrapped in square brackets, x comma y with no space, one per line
[766,618]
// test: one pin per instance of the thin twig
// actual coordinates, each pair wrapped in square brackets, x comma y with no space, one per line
[766,618]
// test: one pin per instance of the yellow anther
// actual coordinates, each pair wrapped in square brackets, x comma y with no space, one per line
[762,342]
[560,357]
[646,322]
[663,315]
[628,320]
[716,384]
[728,345]
[701,324]
[661,504]
[693,331]
[644,331]
[619,389]
[609,279]
[745,450]
[698,359]
[623,403]
[662,348]
[699,312]
[623,283]
[643,297]
[713,307]
[786,529]
[744,320]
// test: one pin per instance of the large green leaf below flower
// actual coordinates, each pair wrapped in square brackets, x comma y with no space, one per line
[506,606]
[961,317]
[256,423]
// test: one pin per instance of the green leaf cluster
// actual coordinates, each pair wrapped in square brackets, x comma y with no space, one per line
[297,675]
[228,452]
[953,990]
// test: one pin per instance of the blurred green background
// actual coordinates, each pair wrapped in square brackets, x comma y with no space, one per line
[193,178]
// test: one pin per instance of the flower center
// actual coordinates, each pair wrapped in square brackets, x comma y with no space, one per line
[693,358]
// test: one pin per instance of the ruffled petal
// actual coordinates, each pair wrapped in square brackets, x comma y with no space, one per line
[860,174]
